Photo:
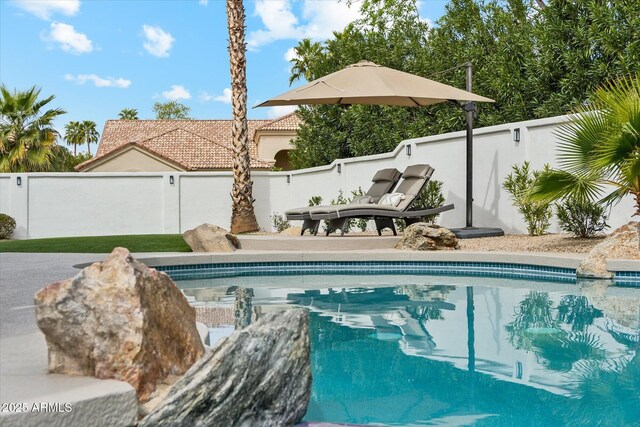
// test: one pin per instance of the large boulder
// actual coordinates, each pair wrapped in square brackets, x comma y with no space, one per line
[623,243]
[259,376]
[119,319]
[421,236]
[210,238]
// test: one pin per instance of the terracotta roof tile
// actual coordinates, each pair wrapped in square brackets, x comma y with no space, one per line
[195,144]
[290,121]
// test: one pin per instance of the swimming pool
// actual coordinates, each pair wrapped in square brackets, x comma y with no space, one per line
[416,349]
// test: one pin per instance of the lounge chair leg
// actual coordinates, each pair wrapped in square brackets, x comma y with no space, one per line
[315,227]
[382,223]
[309,224]
[336,224]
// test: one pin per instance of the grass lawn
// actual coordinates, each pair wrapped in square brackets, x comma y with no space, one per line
[99,244]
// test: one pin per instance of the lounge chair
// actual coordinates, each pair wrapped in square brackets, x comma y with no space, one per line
[414,179]
[383,182]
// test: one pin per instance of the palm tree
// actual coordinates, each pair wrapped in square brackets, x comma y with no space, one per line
[306,54]
[600,146]
[128,114]
[91,135]
[243,218]
[27,133]
[74,135]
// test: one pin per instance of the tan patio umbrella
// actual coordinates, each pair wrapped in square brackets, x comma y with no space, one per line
[372,84]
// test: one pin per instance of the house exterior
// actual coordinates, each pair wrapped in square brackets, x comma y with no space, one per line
[189,145]
[274,139]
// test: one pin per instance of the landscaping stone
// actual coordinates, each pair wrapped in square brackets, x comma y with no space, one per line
[259,376]
[623,243]
[427,237]
[210,238]
[119,319]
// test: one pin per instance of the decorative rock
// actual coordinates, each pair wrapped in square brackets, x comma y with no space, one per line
[421,236]
[259,376]
[622,243]
[210,238]
[119,319]
[291,231]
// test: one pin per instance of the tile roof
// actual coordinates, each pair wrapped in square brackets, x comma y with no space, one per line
[290,121]
[192,144]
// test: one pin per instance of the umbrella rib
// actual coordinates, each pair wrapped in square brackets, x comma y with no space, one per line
[414,101]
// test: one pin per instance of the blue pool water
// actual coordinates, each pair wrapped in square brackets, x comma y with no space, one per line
[442,350]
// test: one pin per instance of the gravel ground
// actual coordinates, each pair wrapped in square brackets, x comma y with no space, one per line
[526,243]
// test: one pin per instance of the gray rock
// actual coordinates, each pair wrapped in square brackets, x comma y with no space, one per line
[259,376]
[427,237]
[210,238]
[623,243]
[119,319]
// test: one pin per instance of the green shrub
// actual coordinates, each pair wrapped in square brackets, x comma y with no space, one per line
[315,201]
[519,184]
[582,218]
[279,222]
[7,226]
[430,197]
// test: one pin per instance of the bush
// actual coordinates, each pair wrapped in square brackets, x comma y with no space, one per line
[519,184]
[279,222]
[315,201]
[430,197]
[581,218]
[7,226]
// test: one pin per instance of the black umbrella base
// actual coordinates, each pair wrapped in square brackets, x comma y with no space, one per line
[477,232]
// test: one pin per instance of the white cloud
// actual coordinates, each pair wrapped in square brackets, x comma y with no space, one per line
[98,81]
[290,54]
[280,110]
[45,8]
[325,17]
[224,98]
[204,2]
[321,18]
[158,41]
[177,92]
[69,39]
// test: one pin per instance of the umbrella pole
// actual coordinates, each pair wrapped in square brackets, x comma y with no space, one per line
[469,231]
[470,108]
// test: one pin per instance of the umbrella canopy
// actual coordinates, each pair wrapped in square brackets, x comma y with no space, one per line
[373,84]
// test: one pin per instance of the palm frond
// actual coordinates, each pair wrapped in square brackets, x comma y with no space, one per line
[558,184]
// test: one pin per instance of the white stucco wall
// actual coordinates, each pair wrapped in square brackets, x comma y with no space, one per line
[56,204]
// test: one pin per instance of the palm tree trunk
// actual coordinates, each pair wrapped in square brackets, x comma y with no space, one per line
[243,218]
[88,143]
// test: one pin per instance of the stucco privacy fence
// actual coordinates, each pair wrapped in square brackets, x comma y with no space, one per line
[91,204]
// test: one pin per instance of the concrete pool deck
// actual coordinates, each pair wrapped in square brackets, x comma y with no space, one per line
[23,354]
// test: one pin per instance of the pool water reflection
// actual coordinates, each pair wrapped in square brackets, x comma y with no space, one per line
[452,351]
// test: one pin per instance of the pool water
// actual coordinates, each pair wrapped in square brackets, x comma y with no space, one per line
[434,350]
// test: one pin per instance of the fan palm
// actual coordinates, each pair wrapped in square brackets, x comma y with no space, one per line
[243,218]
[128,114]
[27,133]
[74,135]
[91,135]
[599,148]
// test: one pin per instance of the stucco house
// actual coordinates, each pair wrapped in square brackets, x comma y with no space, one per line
[189,145]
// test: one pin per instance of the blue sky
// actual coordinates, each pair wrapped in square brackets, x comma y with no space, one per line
[99,56]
